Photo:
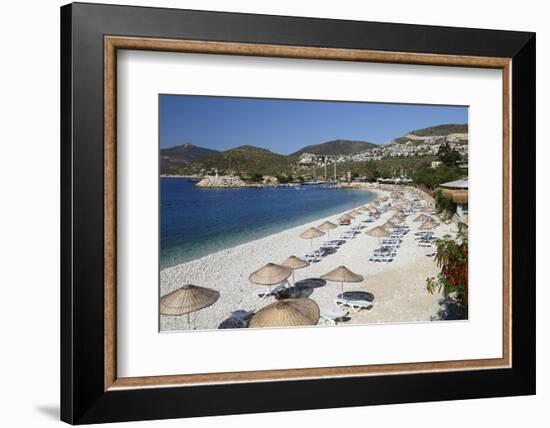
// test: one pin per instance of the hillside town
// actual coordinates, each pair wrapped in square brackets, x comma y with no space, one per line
[408,146]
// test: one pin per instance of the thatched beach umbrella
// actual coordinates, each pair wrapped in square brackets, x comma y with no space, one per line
[287,313]
[428,224]
[345,219]
[356,212]
[187,299]
[396,220]
[326,227]
[388,226]
[270,274]
[294,263]
[378,232]
[310,234]
[342,274]
[422,218]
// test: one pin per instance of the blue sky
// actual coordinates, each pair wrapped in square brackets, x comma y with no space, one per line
[285,126]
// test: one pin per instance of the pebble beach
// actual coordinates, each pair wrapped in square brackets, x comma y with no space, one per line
[398,287]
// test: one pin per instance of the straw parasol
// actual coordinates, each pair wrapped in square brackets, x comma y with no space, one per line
[294,263]
[396,220]
[187,299]
[326,227]
[356,212]
[387,226]
[422,218]
[428,224]
[287,313]
[345,219]
[270,274]
[378,232]
[310,234]
[342,274]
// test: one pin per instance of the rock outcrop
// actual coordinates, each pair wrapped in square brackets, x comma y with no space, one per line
[221,181]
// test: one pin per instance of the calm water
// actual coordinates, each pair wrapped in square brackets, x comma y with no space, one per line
[196,222]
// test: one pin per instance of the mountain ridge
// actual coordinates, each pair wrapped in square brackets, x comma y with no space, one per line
[174,157]
[337,147]
[442,130]
[250,159]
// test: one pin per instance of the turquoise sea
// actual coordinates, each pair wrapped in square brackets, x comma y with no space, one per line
[195,222]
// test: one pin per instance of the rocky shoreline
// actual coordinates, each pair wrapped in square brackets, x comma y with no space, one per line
[222,181]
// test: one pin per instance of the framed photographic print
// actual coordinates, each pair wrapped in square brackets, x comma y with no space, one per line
[256,208]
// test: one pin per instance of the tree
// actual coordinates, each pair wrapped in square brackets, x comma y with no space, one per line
[452,257]
[284,179]
[432,178]
[448,156]
[254,178]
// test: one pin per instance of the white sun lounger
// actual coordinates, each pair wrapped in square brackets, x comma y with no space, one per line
[264,292]
[311,257]
[330,316]
[354,305]
[241,317]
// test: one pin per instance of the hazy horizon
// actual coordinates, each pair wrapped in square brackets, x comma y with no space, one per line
[286,126]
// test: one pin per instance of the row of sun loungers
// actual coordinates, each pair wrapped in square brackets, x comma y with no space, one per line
[426,239]
[327,247]
[353,301]
[371,218]
[387,252]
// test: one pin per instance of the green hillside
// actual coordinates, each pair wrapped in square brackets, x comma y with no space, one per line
[337,147]
[446,129]
[171,159]
[245,160]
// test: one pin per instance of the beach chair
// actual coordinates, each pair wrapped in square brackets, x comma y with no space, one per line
[354,305]
[311,257]
[331,316]
[264,292]
[241,317]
